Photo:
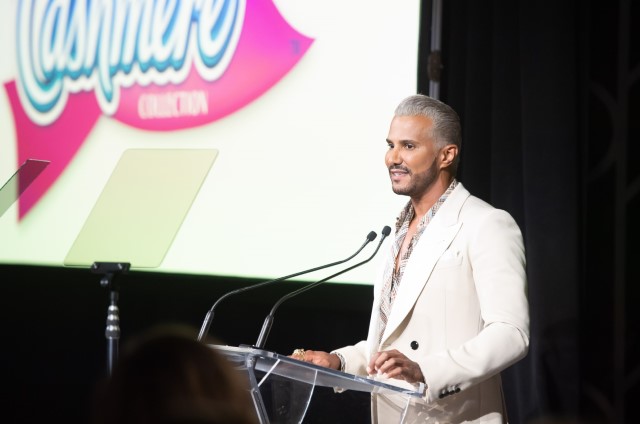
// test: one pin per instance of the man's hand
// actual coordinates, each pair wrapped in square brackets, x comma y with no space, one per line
[394,364]
[317,357]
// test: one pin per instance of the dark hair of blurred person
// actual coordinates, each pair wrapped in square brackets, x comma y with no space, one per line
[168,376]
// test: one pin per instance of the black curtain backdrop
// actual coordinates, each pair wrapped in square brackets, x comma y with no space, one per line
[511,71]
[548,94]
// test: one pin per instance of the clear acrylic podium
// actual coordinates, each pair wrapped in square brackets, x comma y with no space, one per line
[281,387]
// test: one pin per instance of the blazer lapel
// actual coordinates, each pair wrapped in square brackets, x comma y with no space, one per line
[438,235]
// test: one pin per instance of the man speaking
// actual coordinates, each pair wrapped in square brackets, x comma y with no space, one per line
[450,307]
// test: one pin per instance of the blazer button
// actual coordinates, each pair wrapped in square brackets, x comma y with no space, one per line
[414,345]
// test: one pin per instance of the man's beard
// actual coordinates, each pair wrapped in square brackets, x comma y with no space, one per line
[419,183]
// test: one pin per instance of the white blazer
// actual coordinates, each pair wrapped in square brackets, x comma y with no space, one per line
[461,312]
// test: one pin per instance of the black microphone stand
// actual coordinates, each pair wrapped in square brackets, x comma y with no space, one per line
[209,317]
[112,330]
[268,322]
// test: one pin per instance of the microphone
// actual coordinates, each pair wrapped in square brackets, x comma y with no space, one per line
[268,322]
[209,317]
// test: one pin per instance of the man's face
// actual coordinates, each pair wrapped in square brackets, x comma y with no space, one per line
[411,158]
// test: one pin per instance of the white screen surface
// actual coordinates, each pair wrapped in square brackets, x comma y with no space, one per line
[299,179]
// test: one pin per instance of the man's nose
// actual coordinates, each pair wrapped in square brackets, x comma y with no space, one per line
[393,157]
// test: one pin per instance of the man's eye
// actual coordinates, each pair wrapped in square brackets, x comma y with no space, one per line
[409,146]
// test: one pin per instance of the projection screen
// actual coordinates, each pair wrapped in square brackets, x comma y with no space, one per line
[292,99]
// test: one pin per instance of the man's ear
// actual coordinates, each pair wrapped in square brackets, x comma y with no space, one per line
[448,155]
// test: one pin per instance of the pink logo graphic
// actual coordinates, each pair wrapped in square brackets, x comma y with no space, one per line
[167,65]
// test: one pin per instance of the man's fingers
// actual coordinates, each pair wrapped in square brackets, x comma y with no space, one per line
[320,358]
[394,364]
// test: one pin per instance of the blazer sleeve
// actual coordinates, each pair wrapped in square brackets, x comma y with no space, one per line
[355,358]
[497,257]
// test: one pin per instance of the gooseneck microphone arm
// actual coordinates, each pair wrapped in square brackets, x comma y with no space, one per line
[268,322]
[209,317]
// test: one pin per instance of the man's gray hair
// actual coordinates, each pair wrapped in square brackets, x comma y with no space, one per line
[446,123]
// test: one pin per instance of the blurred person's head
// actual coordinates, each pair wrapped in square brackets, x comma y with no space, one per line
[167,376]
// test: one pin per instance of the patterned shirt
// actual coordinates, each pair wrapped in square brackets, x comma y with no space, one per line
[393,271]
